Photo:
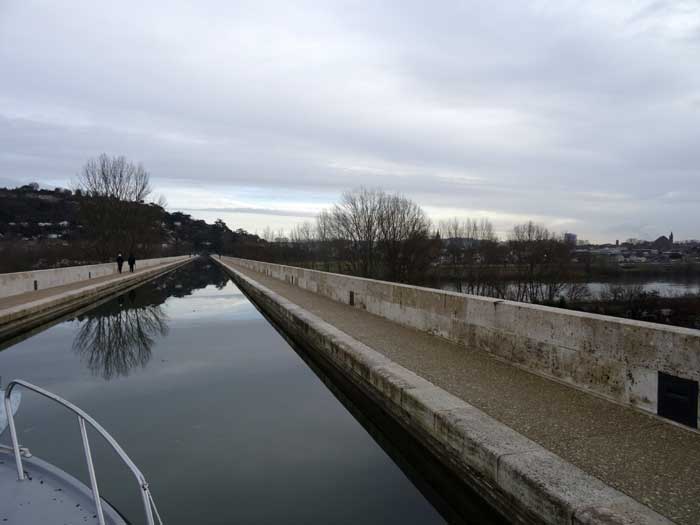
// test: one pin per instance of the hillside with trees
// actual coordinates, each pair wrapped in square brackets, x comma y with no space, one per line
[107,212]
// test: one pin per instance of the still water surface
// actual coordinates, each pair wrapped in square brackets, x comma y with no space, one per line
[670,286]
[227,423]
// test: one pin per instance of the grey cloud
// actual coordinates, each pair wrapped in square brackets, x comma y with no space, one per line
[257,211]
[463,105]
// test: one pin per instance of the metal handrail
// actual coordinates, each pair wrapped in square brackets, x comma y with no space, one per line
[148,503]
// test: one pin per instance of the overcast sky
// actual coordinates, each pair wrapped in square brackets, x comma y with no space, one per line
[584,116]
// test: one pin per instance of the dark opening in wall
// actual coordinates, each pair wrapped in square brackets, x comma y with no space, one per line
[351,301]
[678,399]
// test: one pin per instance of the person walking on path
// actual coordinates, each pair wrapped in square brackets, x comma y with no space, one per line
[120,262]
[132,262]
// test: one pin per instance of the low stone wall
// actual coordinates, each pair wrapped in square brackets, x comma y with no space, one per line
[616,358]
[23,282]
[36,312]
[525,482]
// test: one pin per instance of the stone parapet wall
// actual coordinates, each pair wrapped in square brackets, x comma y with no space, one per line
[619,359]
[23,282]
[525,482]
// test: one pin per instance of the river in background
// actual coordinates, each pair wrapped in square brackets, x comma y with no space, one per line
[667,287]
[226,421]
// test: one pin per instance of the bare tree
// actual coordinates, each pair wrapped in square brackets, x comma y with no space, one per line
[404,232]
[355,220]
[483,231]
[323,226]
[453,231]
[302,237]
[324,237]
[543,261]
[369,233]
[452,228]
[114,342]
[525,243]
[268,234]
[472,247]
[302,233]
[113,205]
[114,178]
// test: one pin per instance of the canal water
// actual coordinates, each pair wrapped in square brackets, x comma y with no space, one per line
[224,418]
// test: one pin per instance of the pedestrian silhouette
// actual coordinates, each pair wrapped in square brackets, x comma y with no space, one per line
[120,262]
[132,262]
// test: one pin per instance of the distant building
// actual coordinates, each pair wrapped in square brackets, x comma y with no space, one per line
[570,238]
[663,243]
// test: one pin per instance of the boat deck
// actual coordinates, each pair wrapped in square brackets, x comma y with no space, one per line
[47,495]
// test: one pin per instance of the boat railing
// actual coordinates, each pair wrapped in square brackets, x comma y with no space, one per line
[148,503]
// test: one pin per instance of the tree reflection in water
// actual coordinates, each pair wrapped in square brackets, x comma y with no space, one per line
[119,335]
[113,342]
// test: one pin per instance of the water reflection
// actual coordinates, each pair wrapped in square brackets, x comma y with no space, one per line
[118,336]
[227,400]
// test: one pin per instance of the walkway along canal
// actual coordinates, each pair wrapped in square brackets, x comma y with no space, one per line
[221,414]
[541,449]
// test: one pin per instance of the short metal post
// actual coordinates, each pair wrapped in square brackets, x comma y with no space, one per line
[147,503]
[91,471]
[13,433]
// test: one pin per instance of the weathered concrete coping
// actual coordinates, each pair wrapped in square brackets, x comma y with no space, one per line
[523,480]
[619,359]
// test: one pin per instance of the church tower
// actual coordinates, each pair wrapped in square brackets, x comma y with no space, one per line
[670,238]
